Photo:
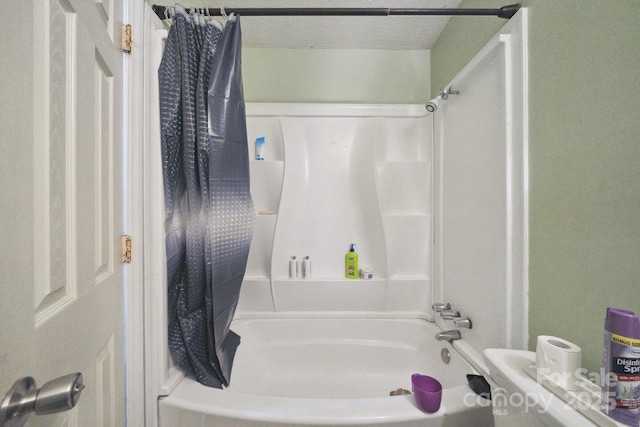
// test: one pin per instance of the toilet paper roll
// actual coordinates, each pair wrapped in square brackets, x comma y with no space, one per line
[559,361]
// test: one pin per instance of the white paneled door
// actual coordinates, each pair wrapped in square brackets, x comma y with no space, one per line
[61,281]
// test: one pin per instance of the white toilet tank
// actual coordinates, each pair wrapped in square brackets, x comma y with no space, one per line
[519,400]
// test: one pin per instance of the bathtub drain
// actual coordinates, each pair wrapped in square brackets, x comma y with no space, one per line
[444,354]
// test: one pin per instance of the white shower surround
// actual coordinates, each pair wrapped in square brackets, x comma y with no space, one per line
[335,175]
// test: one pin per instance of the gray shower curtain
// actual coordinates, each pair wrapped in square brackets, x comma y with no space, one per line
[209,213]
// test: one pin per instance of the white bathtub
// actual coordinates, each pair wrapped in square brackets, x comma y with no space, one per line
[326,372]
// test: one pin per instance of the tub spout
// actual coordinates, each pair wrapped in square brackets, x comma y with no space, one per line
[451,335]
[463,322]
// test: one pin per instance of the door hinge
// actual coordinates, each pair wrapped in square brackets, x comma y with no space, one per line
[125,242]
[126,38]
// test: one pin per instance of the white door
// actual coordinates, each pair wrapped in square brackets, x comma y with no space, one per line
[61,281]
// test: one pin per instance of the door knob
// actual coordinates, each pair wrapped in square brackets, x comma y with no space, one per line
[24,397]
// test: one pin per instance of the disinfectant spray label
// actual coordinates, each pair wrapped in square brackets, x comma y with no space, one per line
[623,390]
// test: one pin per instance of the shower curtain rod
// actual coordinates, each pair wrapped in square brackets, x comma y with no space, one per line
[505,12]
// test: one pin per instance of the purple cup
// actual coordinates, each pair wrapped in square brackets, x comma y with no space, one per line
[427,391]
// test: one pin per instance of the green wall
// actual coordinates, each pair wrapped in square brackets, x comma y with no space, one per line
[334,75]
[584,158]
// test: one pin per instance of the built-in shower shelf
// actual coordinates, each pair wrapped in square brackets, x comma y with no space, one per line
[401,278]
[329,294]
[252,279]
[315,280]
[266,182]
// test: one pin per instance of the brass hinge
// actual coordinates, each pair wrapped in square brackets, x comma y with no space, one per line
[125,244]
[126,38]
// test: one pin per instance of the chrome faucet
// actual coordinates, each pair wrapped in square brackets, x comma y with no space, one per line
[441,306]
[462,322]
[449,314]
[451,335]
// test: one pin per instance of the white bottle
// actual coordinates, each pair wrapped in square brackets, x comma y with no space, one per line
[306,267]
[366,273]
[293,268]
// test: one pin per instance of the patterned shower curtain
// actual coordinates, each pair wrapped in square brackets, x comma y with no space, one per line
[209,213]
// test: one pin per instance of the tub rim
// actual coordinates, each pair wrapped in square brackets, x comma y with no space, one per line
[194,397]
[189,395]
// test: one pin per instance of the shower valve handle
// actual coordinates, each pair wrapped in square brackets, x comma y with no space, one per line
[441,306]
[449,314]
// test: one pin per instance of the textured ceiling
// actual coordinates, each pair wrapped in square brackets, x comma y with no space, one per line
[341,32]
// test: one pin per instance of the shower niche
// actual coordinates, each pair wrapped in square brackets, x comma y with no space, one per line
[334,175]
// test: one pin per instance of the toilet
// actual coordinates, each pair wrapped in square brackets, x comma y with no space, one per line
[519,398]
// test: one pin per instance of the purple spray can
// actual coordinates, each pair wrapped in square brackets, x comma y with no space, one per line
[621,362]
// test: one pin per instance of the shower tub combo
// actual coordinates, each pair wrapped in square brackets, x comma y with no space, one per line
[325,350]
[330,371]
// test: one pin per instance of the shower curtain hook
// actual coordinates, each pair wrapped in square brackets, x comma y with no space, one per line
[228,18]
[178,8]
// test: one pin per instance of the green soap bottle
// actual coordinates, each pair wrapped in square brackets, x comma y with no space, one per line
[351,263]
